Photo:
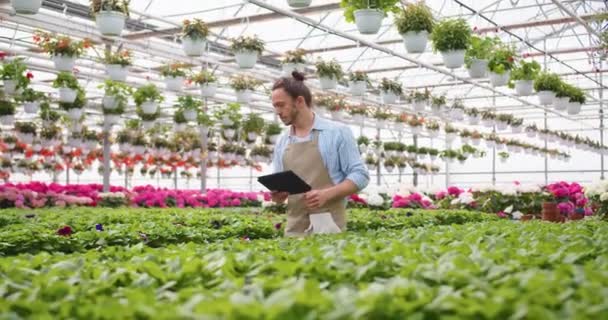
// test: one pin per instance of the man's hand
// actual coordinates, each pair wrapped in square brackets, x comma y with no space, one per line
[279,197]
[316,199]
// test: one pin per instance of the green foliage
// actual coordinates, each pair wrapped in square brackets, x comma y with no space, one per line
[120,57]
[120,91]
[480,49]
[524,71]
[391,86]
[147,93]
[178,116]
[329,69]
[546,81]
[415,17]
[273,128]
[15,69]
[231,111]
[31,95]
[254,123]
[244,82]
[295,56]
[195,29]
[205,120]
[439,101]
[451,34]
[66,80]
[79,103]
[502,59]
[350,6]
[576,94]
[203,77]
[47,114]
[358,76]
[174,70]
[247,43]
[188,102]
[110,5]
[25,127]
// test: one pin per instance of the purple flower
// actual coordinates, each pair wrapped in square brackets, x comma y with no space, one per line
[278,226]
[65,231]
[99,227]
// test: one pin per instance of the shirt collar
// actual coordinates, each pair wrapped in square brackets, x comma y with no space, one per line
[318,124]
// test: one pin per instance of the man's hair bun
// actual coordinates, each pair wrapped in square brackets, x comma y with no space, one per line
[298,76]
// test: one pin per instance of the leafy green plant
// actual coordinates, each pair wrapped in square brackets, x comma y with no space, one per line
[15,69]
[358,76]
[188,102]
[577,95]
[273,128]
[244,82]
[50,132]
[31,95]
[178,116]
[47,114]
[330,69]
[363,140]
[79,103]
[205,120]
[119,90]
[439,101]
[147,117]
[195,29]
[524,70]
[503,155]
[546,81]
[26,127]
[247,43]
[121,6]
[391,86]
[502,59]
[350,6]
[203,77]
[254,123]
[480,49]
[120,57]
[147,93]
[295,56]
[451,34]
[66,80]
[231,111]
[59,45]
[174,70]
[415,17]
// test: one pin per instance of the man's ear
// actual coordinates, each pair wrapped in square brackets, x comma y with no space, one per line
[300,102]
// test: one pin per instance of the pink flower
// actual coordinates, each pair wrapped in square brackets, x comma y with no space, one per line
[454,191]
[236,202]
[440,195]
[501,214]
[565,207]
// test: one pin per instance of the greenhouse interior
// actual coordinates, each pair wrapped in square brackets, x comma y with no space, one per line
[303,159]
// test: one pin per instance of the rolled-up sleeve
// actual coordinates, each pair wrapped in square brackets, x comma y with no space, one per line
[277,155]
[351,163]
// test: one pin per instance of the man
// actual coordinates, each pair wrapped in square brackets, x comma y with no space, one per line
[323,153]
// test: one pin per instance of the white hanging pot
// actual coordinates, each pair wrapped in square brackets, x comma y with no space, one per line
[190,114]
[229,133]
[147,125]
[389,169]
[415,41]
[546,97]
[251,136]
[453,59]
[194,47]
[174,83]
[450,137]
[111,119]
[357,88]
[299,3]
[419,105]
[243,96]
[75,114]
[63,62]
[179,127]
[31,107]
[371,167]
[273,138]
[517,129]
[26,138]
[26,6]
[561,103]
[489,123]
[434,133]
[475,141]
[363,148]
[368,21]
[67,95]
[464,140]
[149,107]
[499,80]
[117,72]
[110,23]
[328,83]
[37,147]
[388,97]
[474,120]
[574,108]
[226,121]
[246,59]
[416,130]
[208,90]
[289,68]
[109,102]
[10,87]
[436,109]
[478,69]
[524,87]
[501,125]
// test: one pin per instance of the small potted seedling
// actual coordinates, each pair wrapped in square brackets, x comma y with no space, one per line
[175,75]
[329,72]
[246,50]
[390,90]
[414,24]
[194,37]
[110,15]
[451,37]
[207,81]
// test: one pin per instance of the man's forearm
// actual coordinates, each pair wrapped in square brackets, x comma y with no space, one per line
[342,190]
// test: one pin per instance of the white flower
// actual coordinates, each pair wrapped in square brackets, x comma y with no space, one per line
[260,198]
[508,209]
[464,198]
[604,196]
[266,204]
[375,200]
[517,215]
[112,195]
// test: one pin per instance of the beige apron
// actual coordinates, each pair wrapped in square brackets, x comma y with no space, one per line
[304,159]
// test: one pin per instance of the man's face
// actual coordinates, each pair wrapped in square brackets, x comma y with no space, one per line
[285,106]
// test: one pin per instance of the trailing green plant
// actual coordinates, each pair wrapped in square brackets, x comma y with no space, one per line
[415,17]
[244,82]
[26,127]
[147,117]
[295,56]
[121,57]
[188,102]
[47,114]
[388,85]
[78,103]
[480,49]
[576,94]
[547,81]
[31,95]
[439,101]
[247,43]
[178,116]
[359,76]
[385,6]
[330,69]
[50,132]
[15,69]
[502,59]
[121,6]
[195,29]
[174,70]
[451,34]
[363,140]
[231,111]
[254,123]
[147,93]
[419,95]
[66,80]
[273,129]
[119,90]
[205,120]
[203,77]
[524,70]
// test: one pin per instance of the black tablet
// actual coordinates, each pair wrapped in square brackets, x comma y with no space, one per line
[286,181]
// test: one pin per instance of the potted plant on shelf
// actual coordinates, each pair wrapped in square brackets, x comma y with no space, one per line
[14,77]
[294,61]
[179,120]
[26,6]
[420,99]
[244,86]
[478,54]
[175,75]
[68,86]
[62,49]
[329,72]
[116,93]
[438,104]
[110,15]
[205,122]
[577,99]
[522,77]
[253,126]
[358,81]
[117,64]
[546,85]
[451,37]
[31,100]
[368,14]
[358,112]
[562,97]
[190,107]
[26,131]
[273,131]
[371,163]
[415,23]
[390,90]
[246,51]
[473,115]
[194,37]
[516,125]
[500,64]
[74,108]
[207,81]
[433,128]
[147,99]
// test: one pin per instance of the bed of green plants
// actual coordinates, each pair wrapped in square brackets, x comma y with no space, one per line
[80,229]
[485,270]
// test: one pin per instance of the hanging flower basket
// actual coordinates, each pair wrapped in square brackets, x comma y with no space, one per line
[453,59]
[478,68]
[574,108]
[561,103]
[149,107]
[26,6]
[328,83]
[368,21]
[110,23]
[194,47]
[67,95]
[416,41]
[299,3]
[246,59]
[208,90]
[524,87]
[64,62]
[10,87]
[31,107]
[117,72]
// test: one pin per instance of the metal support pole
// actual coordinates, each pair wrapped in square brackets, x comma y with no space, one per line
[415,173]
[378,177]
[203,165]
[106,150]
[601,120]
[175,178]
[546,156]
[67,170]
[126,177]
[494,147]
[447,168]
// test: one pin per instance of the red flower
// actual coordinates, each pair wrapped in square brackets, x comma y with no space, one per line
[510,59]
[65,231]
[2,55]
[30,75]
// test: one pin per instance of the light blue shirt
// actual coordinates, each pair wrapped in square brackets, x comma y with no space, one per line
[338,149]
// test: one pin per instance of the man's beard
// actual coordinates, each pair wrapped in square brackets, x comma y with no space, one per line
[292,117]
